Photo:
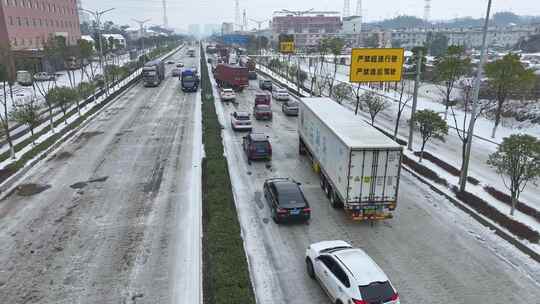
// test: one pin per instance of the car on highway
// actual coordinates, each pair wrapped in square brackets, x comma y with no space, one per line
[44,76]
[348,275]
[265,84]
[280,94]
[176,72]
[170,62]
[227,95]
[252,75]
[180,65]
[241,121]
[257,146]
[286,200]
[290,108]
[262,112]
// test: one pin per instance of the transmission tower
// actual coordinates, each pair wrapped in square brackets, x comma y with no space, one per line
[427,11]
[346,8]
[165,19]
[237,20]
[359,8]
[244,21]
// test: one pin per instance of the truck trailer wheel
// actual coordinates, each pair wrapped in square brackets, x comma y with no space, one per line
[335,202]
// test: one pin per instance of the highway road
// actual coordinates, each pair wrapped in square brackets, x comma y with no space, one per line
[111,216]
[432,252]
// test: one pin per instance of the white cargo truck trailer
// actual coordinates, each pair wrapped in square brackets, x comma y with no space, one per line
[359,167]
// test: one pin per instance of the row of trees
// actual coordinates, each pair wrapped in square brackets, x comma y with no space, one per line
[517,158]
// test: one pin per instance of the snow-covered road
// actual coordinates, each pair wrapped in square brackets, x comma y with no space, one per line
[119,221]
[432,251]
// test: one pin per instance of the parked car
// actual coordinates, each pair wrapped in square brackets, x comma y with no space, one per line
[280,94]
[265,84]
[170,62]
[262,112]
[290,108]
[180,65]
[44,76]
[257,146]
[227,95]
[286,200]
[176,72]
[349,275]
[241,121]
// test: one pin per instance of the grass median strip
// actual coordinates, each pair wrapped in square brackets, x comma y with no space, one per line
[226,274]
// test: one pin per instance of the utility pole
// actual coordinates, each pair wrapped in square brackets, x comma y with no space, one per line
[165,19]
[415,98]
[470,132]
[97,16]
[141,26]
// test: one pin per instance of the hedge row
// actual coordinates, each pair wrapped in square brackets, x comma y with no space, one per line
[517,228]
[424,171]
[507,199]
[226,275]
[446,166]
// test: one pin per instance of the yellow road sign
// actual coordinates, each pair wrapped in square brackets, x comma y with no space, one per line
[375,65]
[286,47]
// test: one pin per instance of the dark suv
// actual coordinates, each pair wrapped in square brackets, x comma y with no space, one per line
[286,200]
[257,146]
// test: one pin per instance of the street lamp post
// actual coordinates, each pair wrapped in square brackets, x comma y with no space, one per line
[141,25]
[470,132]
[97,16]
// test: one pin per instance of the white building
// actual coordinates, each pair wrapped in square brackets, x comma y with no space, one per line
[467,37]
[227,28]
[118,39]
[351,31]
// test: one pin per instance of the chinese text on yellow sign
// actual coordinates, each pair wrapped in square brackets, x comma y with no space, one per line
[286,47]
[374,65]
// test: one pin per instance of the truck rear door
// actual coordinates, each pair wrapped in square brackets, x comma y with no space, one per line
[374,176]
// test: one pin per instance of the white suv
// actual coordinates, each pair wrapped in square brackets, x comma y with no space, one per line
[348,275]
[281,94]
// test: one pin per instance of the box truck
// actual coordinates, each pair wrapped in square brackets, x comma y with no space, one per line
[231,76]
[358,166]
[153,73]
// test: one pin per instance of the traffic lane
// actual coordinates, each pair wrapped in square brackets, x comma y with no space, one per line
[466,271]
[107,239]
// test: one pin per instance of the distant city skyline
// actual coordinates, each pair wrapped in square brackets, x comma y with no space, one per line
[183,13]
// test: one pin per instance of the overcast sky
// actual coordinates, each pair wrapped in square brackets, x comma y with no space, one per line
[184,12]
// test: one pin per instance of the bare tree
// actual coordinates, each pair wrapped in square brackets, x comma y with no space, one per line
[4,119]
[27,114]
[404,99]
[461,126]
[375,104]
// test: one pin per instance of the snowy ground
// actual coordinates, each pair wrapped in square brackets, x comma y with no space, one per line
[121,211]
[432,252]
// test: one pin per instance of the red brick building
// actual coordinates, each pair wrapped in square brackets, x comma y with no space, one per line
[27,24]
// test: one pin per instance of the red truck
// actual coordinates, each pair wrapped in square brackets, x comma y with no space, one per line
[231,76]
[262,109]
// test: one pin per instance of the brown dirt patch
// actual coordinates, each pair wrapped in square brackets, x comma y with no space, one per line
[31,189]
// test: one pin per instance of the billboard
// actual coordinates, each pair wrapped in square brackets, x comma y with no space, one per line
[235,39]
[286,47]
[376,65]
